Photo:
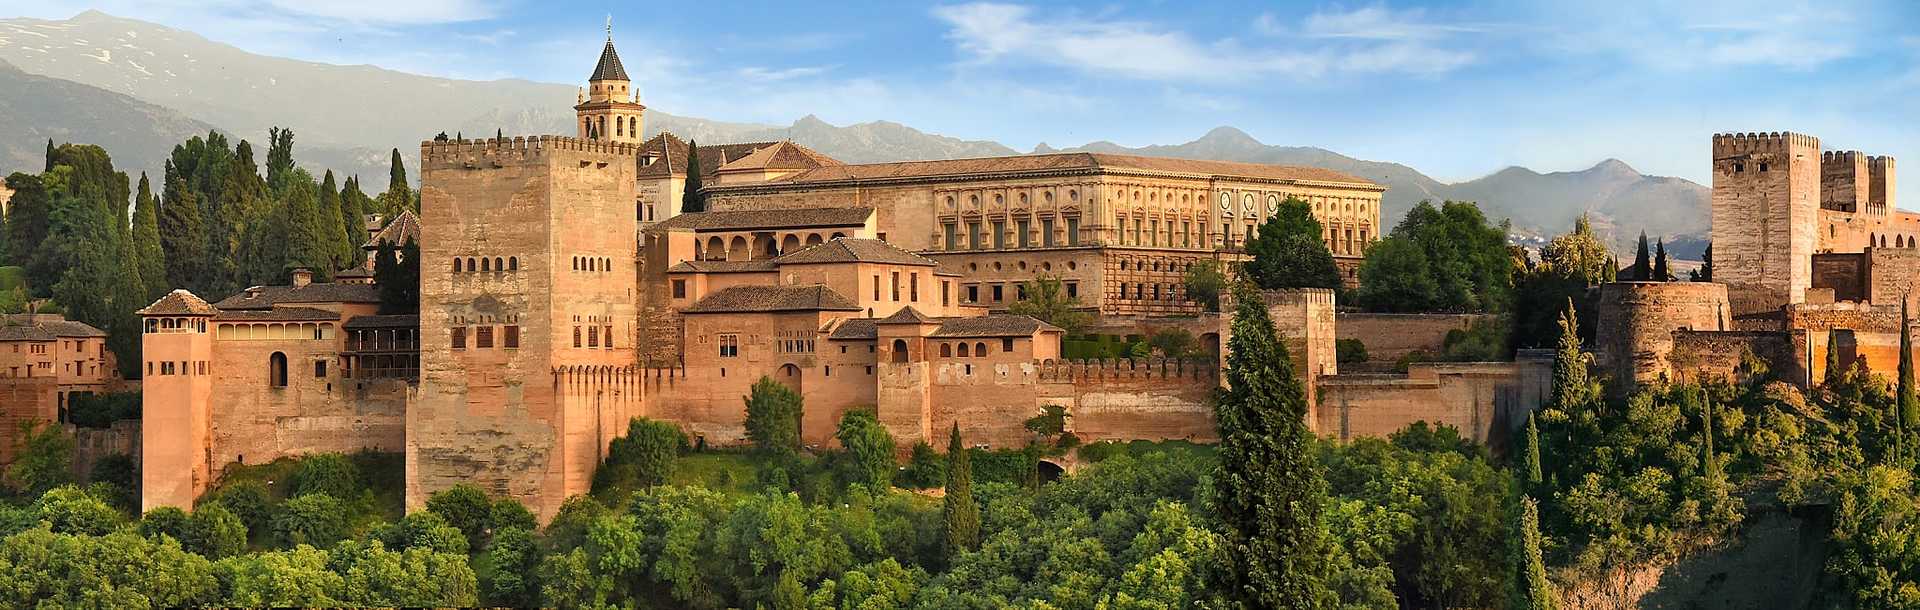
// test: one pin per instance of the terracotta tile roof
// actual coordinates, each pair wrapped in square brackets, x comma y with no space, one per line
[781,155]
[854,329]
[1065,162]
[277,314]
[403,227]
[265,297]
[352,273]
[773,298]
[769,219]
[670,154]
[397,321]
[906,315]
[852,250]
[52,323]
[22,332]
[759,266]
[178,303]
[609,67]
[997,325]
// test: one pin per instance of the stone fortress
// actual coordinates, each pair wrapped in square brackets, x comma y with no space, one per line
[563,293]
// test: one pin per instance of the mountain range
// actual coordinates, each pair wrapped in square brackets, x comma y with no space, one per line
[137,88]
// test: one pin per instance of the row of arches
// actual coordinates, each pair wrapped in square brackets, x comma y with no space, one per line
[978,350]
[592,263]
[761,246]
[1899,241]
[472,264]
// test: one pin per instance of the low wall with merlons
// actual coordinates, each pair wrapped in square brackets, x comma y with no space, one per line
[1486,401]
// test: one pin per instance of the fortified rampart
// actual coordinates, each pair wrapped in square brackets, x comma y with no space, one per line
[27,399]
[1699,355]
[1766,201]
[1388,336]
[1484,400]
[1637,321]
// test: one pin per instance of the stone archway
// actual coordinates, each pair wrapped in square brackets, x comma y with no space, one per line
[737,249]
[1050,471]
[813,239]
[789,243]
[790,375]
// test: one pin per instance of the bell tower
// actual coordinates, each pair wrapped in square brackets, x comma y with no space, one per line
[609,110]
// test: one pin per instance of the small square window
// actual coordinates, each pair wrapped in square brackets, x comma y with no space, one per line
[679,289]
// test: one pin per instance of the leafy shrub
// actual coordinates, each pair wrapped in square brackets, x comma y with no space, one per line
[313,519]
[327,473]
[464,507]
[426,530]
[249,501]
[926,468]
[101,410]
[869,448]
[643,457]
[508,512]
[71,510]
[165,520]
[1350,350]
[214,532]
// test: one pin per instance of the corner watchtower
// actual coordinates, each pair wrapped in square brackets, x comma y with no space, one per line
[175,400]
[609,110]
[1880,185]
[1766,206]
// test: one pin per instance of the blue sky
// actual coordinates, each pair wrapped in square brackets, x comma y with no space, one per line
[1457,89]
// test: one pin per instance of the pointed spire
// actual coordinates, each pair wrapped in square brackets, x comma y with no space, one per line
[609,67]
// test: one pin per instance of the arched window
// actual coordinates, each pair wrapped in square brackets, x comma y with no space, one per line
[946,350]
[456,265]
[485,265]
[899,350]
[277,370]
[965,351]
[513,263]
[979,350]
[498,264]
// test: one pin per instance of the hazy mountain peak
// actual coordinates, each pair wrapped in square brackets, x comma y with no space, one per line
[1613,166]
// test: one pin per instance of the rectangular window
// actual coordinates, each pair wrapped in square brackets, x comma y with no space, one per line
[1205,238]
[946,293]
[999,235]
[876,288]
[913,287]
[1022,226]
[609,334]
[729,346]
[483,337]
[1020,291]
[1073,230]
[593,336]
[896,285]
[1073,289]
[319,369]
[512,337]
[973,236]
[998,292]
[459,337]
[679,289]
[973,293]
[576,336]
[953,237]
[1046,232]
[1120,230]
[1154,240]
[1006,345]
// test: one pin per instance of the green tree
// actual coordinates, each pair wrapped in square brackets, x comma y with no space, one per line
[773,416]
[397,275]
[424,529]
[466,508]
[43,459]
[1395,278]
[1532,590]
[150,257]
[399,196]
[1530,469]
[49,155]
[1047,301]
[71,510]
[1833,372]
[1572,387]
[1466,261]
[312,519]
[1705,272]
[328,226]
[1909,396]
[163,521]
[294,578]
[870,447]
[1204,283]
[644,457]
[183,236]
[1580,254]
[27,218]
[249,501]
[47,569]
[326,473]
[1269,491]
[214,532]
[354,207]
[1642,269]
[1660,272]
[279,159]
[1288,251]
[516,560]
[958,509]
[692,200]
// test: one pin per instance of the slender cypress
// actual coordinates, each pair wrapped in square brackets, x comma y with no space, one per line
[961,513]
[49,156]
[1532,469]
[183,235]
[1833,357]
[1571,386]
[149,257]
[692,200]
[1642,267]
[1660,273]
[1532,589]
[1909,409]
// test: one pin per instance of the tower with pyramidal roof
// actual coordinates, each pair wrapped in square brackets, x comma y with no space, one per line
[609,110]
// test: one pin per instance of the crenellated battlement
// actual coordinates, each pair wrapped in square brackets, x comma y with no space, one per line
[515,150]
[1776,142]
[1880,162]
[1841,158]
[1073,371]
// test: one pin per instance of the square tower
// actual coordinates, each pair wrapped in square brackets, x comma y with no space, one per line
[1766,204]
[526,312]
[1843,181]
[1880,185]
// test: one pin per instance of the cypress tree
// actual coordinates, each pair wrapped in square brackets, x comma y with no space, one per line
[354,207]
[311,232]
[1909,409]
[1660,273]
[1642,267]
[27,218]
[1571,386]
[183,235]
[399,195]
[1531,469]
[961,513]
[1532,590]
[397,275]
[1833,357]
[49,166]
[279,159]
[1706,266]
[148,255]
[1710,458]
[1269,489]
[331,215]
[691,200]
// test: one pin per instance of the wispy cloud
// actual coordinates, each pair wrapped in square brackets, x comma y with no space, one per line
[767,75]
[989,33]
[388,12]
[1377,22]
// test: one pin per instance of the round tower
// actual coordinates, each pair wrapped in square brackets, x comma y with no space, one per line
[1637,320]
[609,110]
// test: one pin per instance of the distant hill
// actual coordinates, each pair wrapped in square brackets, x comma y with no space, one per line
[1539,204]
[348,117]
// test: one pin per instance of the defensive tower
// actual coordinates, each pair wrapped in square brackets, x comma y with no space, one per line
[609,110]
[1766,204]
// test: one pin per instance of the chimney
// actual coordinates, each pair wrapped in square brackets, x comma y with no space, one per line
[302,276]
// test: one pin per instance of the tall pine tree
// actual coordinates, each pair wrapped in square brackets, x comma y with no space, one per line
[352,219]
[1572,387]
[183,235]
[399,196]
[1660,273]
[1642,266]
[1531,588]
[1531,470]
[962,514]
[279,159]
[396,272]
[27,218]
[331,233]
[1269,489]
[49,165]
[149,257]
[1909,407]
[1833,372]
[692,200]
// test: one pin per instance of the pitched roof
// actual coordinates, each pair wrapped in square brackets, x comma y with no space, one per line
[670,155]
[23,332]
[773,298]
[855,250]
[997,325]
[404,227]
[758,266]
[265,297]
[855,329]
[352,273]
[906,315]
[609,67]
[781,155]
[1067,162]
[392,321]
[277,314]
[32,327]
[769,219]
[178,303]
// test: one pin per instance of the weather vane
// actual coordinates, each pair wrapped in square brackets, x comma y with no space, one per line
[609,26]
